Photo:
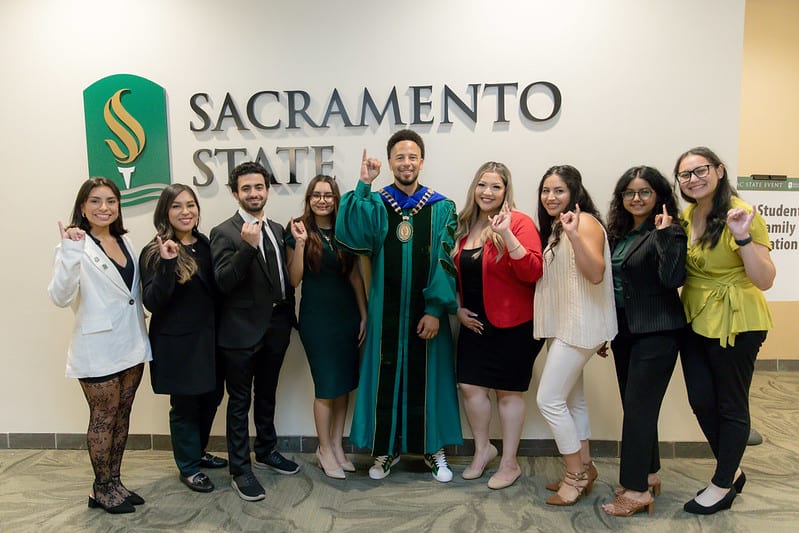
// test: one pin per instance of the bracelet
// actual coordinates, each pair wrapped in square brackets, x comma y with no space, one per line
[520,245]
[745,241]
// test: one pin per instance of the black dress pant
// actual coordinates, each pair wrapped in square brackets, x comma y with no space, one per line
[718,381]
[644,365]
[253,373]
[190,421]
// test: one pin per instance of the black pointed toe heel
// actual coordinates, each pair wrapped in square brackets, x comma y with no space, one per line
[723,504]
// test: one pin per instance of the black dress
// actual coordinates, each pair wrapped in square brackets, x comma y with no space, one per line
[500,358]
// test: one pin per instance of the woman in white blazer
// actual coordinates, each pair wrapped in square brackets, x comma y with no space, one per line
[96,273]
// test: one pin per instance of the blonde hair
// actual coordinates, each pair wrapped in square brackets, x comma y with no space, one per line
[468,216]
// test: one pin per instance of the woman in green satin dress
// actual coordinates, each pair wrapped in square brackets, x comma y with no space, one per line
[332,316]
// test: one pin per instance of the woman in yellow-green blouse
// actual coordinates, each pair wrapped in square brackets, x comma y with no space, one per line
[728,266]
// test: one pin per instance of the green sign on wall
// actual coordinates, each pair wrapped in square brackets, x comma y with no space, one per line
[126,135]
[768,183]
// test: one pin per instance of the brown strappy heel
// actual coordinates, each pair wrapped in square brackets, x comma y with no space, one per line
[572,479]
[593,474]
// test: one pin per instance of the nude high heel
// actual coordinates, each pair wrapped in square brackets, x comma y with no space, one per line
[335,473]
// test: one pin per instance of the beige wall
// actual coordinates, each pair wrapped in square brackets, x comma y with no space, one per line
[769,130]
[629,98]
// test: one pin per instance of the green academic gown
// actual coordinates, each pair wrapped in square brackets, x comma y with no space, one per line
[407,400]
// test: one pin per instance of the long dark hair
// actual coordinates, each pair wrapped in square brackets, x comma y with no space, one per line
[549,225]
[117,227]
[620,221]
[186,265]
[716,219]
[313,245]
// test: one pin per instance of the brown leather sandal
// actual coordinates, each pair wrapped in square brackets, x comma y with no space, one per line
[654,488]
[624,506]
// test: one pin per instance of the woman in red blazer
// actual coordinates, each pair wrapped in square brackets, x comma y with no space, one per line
[498,257]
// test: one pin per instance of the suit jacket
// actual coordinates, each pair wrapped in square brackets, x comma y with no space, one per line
[651,272]
[242,277]
[509,285]
[182,325]
[109,334]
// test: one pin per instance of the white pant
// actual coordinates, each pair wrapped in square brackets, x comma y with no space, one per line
[560,394]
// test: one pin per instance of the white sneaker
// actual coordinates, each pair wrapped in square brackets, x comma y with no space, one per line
[438,464]
[382,466]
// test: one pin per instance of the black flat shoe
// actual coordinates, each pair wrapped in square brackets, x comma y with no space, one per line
[199,483]
[122,508]
[725,503]
[212,461]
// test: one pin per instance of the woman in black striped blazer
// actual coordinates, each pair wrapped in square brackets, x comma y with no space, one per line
[648,258]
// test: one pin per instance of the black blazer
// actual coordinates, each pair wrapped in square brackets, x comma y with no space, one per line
[182,325]
[651,272]
[242,277]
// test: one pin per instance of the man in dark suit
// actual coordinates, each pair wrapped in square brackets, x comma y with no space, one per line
[255,321]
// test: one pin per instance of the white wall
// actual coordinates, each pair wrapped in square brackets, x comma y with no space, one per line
[641,82]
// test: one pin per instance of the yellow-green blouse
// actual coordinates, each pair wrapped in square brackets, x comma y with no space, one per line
[719,299]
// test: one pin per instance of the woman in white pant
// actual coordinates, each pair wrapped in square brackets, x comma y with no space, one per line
[575,312]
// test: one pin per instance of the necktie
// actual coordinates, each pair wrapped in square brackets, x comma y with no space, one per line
[271,258]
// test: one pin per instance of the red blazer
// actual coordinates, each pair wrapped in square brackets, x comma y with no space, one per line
[509,285]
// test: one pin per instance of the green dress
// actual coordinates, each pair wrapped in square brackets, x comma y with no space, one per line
[407,399]
[329,322]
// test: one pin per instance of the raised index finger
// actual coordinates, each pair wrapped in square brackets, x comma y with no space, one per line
[364,155]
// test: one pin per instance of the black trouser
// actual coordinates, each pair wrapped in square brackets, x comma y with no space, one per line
[718,381]
[190,421]
[644,364]
[253,372]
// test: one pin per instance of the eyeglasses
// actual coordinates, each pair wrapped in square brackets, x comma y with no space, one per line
[328,197]
[700,172]
[643,194]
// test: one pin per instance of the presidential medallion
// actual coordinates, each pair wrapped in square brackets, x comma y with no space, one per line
[404,231]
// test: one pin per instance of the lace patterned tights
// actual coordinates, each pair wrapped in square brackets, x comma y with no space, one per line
[110,403]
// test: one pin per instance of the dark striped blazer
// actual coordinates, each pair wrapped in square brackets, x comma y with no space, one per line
[652,271]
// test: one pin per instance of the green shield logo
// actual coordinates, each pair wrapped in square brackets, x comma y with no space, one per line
[126,135]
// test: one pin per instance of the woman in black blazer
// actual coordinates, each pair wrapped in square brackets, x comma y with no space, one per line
[648,259]
[179,290]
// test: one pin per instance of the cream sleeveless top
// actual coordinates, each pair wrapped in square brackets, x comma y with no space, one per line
[570,308]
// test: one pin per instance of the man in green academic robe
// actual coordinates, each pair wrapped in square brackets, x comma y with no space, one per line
[407,400]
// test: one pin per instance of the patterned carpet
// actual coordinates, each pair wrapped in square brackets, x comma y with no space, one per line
[45,490]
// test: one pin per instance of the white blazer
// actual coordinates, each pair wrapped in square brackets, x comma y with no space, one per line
[109,334]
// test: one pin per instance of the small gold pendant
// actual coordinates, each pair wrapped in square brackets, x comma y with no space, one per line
[404,231]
